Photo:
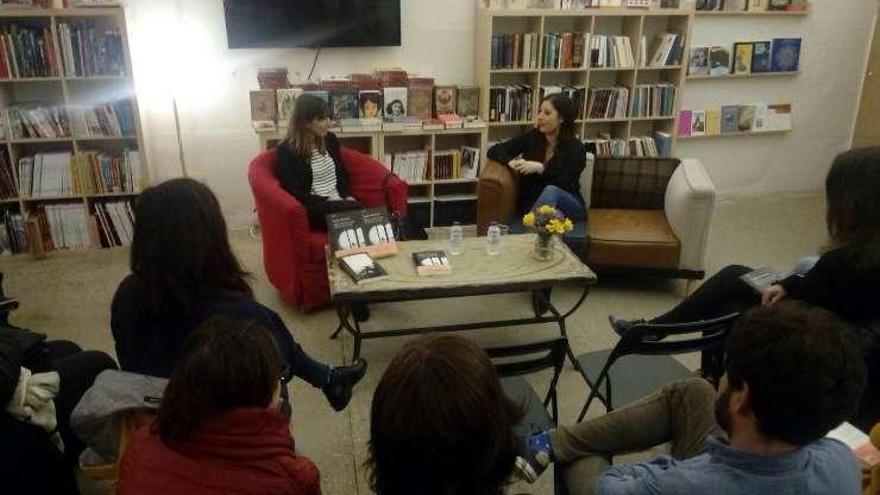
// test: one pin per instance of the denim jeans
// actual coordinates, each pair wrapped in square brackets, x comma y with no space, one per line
[681,413]
[562,200]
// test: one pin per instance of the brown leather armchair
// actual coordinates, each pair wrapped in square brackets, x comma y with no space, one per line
[650,215]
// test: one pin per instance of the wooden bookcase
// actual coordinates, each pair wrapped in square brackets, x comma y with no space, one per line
[631,22]
[434,202]
[70,90]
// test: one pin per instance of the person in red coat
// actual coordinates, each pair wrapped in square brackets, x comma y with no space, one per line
[219,429]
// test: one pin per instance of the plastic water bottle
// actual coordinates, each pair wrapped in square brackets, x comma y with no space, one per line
[493,239]
[455,236]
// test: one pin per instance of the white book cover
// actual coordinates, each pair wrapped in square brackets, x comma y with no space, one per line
[395,100]
[858,441]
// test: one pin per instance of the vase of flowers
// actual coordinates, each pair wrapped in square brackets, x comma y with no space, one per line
[547,222]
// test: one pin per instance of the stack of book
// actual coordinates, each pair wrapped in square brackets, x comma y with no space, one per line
[667,50]
[638,146]
[114,119]
[510,103]
[611,51]
[564,50]
[657,100]
[608,103]
[577,94]
[411,166]
[96,172]
[64,226]
[13,239]
[515,51]
[447,164]
[27,51]
[735,119]
[8,185]
[115,222]
[38,122]
[45,175]
[89,50]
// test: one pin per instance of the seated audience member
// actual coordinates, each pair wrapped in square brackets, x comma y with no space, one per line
[440,422]
[310,165]
[550,160]
[219,429]
[183,271]
[40,384]
[792,375]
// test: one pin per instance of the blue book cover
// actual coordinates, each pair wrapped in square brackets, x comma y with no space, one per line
[320,93]
[786,54]
[729,119]
[761,57]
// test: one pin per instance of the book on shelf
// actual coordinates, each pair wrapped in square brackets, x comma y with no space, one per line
[420,102]
[713,121]
[114,223]
[785,55]
[395,103]
[745,118]
[361,125]
[719,61]
[685,118]
[113,119]
[286,98]
[699,61]
[742,57]
[470,162]
[511,103]
[411,166]
[450,120]
[370,104]
[431,263]
[608,103]
[668,49]
[638,146]
[473,122]
[361,231]
[757,5]
[698,123]
[729,119]
[752,118]
[515,51]
[735,5]
[653,100]
[27,51]
[13,239]
[564,50]
[64,226]
[264,106]
[35,121]
[611,52]
[362,268]
[663,143]
[88,49]
[858,441]
[577,95]
[761,61]
[468,104]
[433,125]
[444,100]
[89,172]
[344,105]
[779,116]
[8,184]
[446,164]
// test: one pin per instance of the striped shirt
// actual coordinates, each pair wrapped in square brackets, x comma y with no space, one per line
[323,175]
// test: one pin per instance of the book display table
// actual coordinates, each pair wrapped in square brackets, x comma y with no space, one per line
[474,273]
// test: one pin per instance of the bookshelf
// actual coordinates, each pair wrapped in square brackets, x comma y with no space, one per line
[625,22]
[738,134]
[756,12]
[94,80]
[432,202]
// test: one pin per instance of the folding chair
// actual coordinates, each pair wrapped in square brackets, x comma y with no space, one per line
[129,422]
[516,361]
[642,361]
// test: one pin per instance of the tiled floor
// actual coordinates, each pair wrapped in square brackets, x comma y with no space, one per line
[68,296]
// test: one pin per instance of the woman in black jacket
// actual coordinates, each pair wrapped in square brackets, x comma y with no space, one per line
[183,271]
[550,160]
[310,166]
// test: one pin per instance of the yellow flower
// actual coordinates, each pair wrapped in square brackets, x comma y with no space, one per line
[546,210]
[529,219]
[556,227]
[569,226]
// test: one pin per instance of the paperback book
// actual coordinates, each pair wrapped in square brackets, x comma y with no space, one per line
[761,278]
[761,57]
[361,231]
[370,104]
[286,104]
[786,54]
[719,61]
[444,100]
[362,268]
[699,63]
[432,263]
[742,58]
[395,103]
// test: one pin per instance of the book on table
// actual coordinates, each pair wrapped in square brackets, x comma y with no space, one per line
[361,231]
[362,268]
[431,263]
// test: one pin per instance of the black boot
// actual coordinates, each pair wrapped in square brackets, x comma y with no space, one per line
[342,380]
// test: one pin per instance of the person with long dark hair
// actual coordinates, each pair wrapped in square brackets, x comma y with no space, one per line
[310,165]
[183,271]
[844,280]
[219,428]
[440,423]
[549,159]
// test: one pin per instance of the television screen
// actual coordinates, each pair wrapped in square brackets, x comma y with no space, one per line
[312,23]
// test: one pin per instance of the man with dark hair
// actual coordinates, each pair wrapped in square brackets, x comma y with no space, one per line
[791,376]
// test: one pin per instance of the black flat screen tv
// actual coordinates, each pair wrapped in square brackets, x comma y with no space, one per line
[312,23]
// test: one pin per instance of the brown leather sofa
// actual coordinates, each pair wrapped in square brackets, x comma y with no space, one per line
[650,215]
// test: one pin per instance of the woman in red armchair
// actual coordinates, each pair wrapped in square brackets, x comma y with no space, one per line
[310,166]
[219,429]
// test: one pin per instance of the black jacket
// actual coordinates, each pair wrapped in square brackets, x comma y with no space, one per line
[295,172]
[563,170]
[10,363]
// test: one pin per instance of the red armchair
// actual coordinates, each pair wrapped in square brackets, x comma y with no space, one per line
[293,253]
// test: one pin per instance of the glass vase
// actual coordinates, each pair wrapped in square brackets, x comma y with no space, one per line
[543,247]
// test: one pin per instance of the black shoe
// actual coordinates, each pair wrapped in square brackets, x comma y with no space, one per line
[622,326]
[361,312]
[342,380]
[536,454]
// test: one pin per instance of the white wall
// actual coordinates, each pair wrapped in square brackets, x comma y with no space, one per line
[179,48]
[825,96]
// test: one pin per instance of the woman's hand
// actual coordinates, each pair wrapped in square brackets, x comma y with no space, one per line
[515,163]
[772,295]
[529,167]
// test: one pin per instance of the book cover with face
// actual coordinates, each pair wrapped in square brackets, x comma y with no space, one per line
[370,104]
[263,105]
[395,103]
[699,63]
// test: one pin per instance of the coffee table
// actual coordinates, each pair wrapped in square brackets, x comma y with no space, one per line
[474,273]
